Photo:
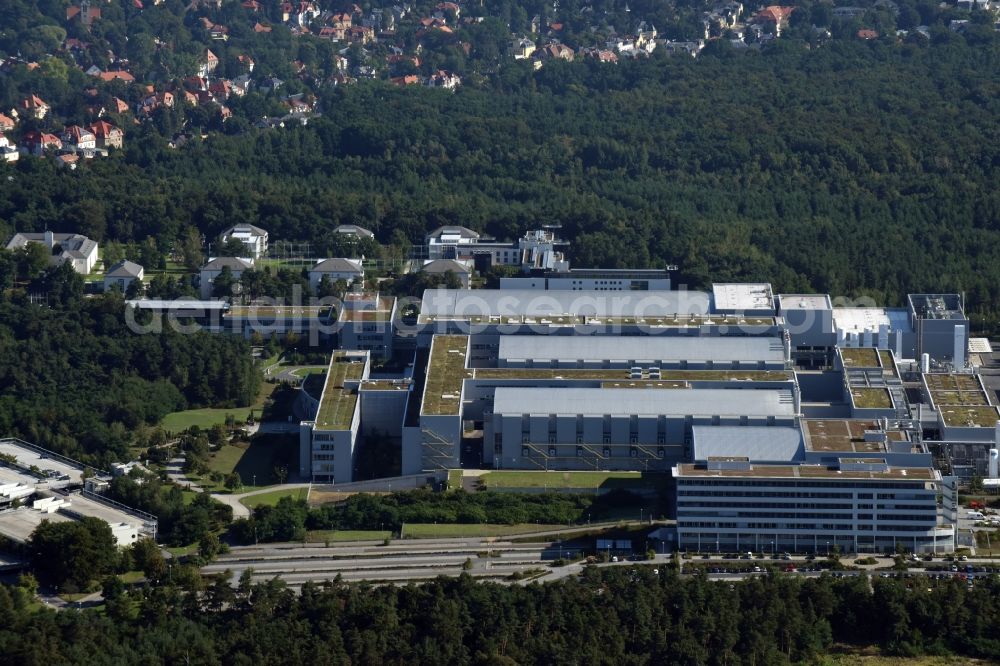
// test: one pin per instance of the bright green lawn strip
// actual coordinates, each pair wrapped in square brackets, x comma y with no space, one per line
[321,536]
[517,479]
[430,531]
[271,498]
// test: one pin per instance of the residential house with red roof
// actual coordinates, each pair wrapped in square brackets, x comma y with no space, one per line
[79,138]
[33,106]
[6,123]
[36,143]
[107,135]
[775,16]
[408,80]
[443,79]
[117,75]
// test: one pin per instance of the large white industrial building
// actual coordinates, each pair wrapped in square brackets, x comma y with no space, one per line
[783,421]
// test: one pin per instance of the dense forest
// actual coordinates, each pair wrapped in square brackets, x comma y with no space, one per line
[289,519]
[609,616]
[848,169]
[76,380]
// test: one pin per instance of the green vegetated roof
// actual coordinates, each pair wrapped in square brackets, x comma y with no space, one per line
[888,366]
[871,398]
[956,390]
[336,409]
[864,357]
[970,416]
[445,373]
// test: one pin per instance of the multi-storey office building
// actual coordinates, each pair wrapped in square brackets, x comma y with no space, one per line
[854,505]
[328,441]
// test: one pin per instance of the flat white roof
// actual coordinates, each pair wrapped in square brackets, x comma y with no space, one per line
[177,304]
[758,443]
[29,457]
[87,507]
[20,523]
[804,302]
[554,302]
[644,402]
[742,297]
[649,348]
[980,346]
[853,320]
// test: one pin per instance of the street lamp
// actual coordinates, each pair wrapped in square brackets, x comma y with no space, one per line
[254,480]
[828,549]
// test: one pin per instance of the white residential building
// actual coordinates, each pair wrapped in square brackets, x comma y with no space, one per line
[214,268]
[122,275]
[254,238]
[347,270]
[79,250]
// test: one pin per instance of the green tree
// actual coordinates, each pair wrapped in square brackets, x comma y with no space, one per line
[73,553]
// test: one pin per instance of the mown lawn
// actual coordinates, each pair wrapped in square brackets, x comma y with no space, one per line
[271,498]
[207,417]
[321,536]
[519,479]
[430,531]
[181,551]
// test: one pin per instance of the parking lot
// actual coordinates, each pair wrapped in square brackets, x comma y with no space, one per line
[58,471]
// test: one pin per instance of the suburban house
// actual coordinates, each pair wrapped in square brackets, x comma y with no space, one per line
[78,138]
[522,48]
[441,267]
[347,270]
[33,106]
[79,250]
[36,143]
[254,238]
[774,16]
[122,274]
[6,123]
[107,135]
[443,79]
[8,151]
[208,65]
[214,268]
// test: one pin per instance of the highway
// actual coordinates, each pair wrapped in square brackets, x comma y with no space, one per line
[401,561]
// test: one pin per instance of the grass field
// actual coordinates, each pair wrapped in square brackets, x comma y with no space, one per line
[256,462]
[322,536]
[519,479]
[271,498]
[132,577]
[181,551]
[176,422]
[224,460]
[454,479]
[430,531]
